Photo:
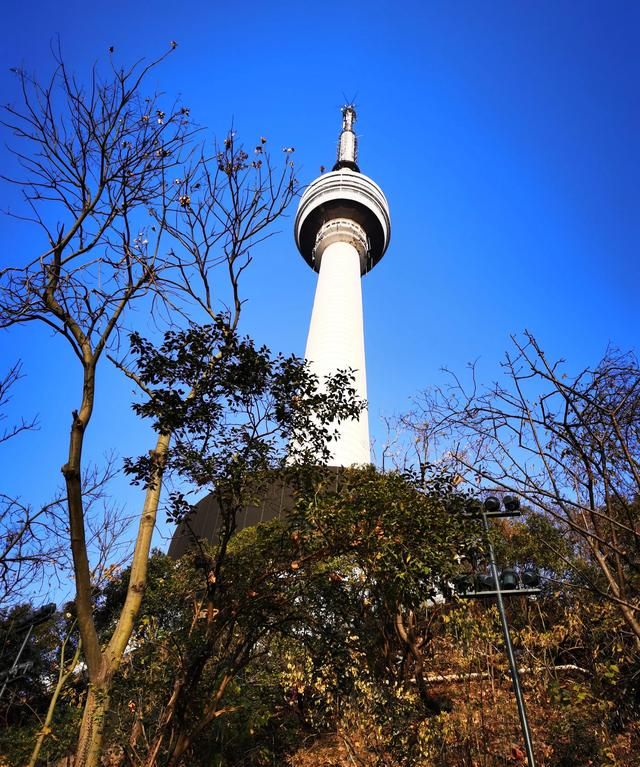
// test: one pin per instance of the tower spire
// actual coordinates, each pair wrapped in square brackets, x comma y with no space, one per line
[348,142]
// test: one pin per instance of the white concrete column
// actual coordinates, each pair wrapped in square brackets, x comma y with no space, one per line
[336,333]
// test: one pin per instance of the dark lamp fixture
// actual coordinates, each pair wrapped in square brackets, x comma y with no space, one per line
[530,578]
[511,503]
[474,508]
[484,583]
[509,579]
[463,583]
[492,504]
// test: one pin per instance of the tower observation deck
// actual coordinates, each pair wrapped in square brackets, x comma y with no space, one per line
[342,229]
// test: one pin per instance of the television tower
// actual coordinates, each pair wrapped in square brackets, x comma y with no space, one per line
[342,230]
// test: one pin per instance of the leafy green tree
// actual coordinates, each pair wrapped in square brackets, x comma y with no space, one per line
[278,628]
[393,543]
[235,414]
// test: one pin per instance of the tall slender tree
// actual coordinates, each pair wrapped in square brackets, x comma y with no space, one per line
[129,211]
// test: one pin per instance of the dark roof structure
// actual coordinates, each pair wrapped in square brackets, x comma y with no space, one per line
[205,522]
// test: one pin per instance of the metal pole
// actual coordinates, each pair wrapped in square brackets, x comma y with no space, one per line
[515,677]
[15,662]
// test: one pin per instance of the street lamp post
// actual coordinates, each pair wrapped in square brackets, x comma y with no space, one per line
[492,509]
[40,616]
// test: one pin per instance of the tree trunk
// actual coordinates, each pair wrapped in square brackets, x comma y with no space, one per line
[89,748]
[46,726]
[91,736]
[164,723]
[140,561]
[212,712]
[72,472]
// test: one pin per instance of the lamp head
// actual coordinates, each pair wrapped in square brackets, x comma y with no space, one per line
[509,579]
[485,582]
[473,507]
[511,503]
[491,504]
[462,583]
[530,578]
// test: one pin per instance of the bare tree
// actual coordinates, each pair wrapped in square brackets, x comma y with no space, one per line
[33,552]
[29,543]
[6,384]
[227,204]
[569,444]
[95,160]
[29,546]
[129,214]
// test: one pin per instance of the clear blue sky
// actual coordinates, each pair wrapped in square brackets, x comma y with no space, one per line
[504,134]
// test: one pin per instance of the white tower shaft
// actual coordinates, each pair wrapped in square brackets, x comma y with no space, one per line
[336,341]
